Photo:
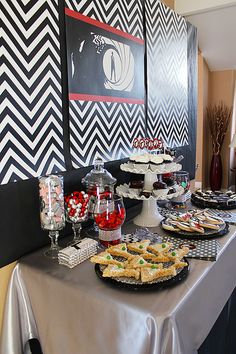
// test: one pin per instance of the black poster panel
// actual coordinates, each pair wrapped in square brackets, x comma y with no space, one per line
[189,151]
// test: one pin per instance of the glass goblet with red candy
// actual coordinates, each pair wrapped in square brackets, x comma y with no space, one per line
[109,215]
[77,207]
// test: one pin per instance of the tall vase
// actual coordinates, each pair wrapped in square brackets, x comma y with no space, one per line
[216,172]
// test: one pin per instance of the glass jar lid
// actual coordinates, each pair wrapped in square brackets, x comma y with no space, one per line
[98,176]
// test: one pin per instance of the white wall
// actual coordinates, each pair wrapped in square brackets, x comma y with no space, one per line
[187,7]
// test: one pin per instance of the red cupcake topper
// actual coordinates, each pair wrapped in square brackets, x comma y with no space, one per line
[147,143]
[136,143]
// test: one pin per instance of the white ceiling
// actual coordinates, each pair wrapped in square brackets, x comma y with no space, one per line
[216,34]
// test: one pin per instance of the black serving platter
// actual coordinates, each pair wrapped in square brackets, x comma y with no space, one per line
[209,234]
[211,205]
[135,285]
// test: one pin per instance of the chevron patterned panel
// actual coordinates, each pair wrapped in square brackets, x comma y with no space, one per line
[105,129]
[167,111]
[30,103]
[125,15]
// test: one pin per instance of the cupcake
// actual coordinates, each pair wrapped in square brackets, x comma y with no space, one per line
[172,190]
[160,189]
[166,158]
[135,187]
[156,163]
[145,193]
[141,162]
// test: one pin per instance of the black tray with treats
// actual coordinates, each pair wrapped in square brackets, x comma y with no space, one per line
[142,265]
[126,283]
[195,225]
[216,200]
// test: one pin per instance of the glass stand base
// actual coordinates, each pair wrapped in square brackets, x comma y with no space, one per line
[52,252]
[92,232]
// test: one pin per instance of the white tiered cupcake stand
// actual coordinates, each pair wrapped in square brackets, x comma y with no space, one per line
[149,216]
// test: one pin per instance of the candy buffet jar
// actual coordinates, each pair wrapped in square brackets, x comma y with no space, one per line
[98,182]
[109,215]
[52,212]
[77,206]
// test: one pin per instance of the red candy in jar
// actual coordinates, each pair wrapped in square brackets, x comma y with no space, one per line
[109,215]
[76,206]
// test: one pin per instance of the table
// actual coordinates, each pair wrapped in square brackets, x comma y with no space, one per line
[74,312]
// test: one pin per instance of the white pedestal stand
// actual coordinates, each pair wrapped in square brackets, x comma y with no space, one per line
[149,216]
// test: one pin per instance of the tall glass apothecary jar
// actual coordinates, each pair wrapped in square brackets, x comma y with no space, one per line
[52,212]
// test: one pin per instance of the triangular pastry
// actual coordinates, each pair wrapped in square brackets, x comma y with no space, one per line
[162,257]
[118,271]
[120,251]
[180,264]
[150,274]
[104,258]
[178,254]
[158,248]
[138,262]
[139,247]
[148,255]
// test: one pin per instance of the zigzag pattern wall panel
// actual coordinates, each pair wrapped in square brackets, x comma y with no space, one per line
[106,130]
[167,100]
[105,126]
[126,15]
[31,134]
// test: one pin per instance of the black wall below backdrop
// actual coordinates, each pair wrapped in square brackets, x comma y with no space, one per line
[42,132]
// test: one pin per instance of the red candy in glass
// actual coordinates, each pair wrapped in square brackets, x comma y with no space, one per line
[109,215]
[110,221]
[77,205]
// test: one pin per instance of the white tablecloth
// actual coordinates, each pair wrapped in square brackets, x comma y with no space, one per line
[74,312]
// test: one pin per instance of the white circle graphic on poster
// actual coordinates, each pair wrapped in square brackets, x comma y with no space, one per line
[112,66]
[118,66]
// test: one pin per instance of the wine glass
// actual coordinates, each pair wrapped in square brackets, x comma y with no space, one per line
[77,208]
[182,180]
[52,212]
[109,215]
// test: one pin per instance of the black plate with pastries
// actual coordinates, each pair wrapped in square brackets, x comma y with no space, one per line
[134,285]
[194,235]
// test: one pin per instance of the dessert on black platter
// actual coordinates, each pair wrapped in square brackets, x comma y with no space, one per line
[141,263]
[217,200]
[198,224]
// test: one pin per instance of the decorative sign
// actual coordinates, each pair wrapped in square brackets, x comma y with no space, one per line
[105,64]
[146,143]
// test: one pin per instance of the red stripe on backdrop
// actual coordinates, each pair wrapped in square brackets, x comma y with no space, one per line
[82,97]
[102,25]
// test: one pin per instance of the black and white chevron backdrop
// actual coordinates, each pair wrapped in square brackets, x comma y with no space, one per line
[167,99]
[125,15]
[103,129]
[30,102]
[31,134]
